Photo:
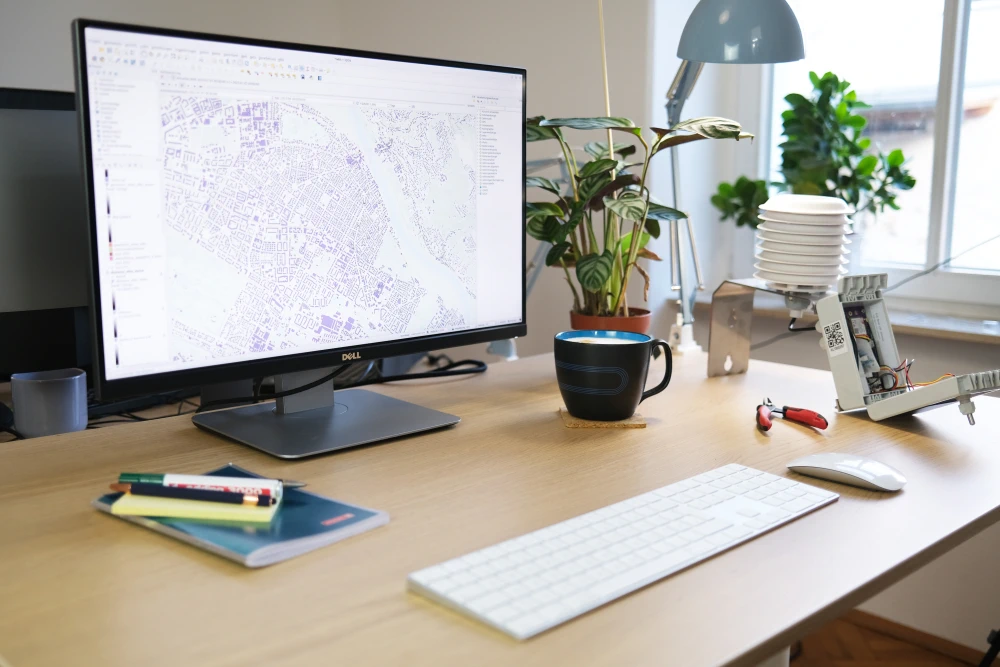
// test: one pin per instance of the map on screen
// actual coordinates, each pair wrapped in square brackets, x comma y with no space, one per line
[290,208]
[260,202]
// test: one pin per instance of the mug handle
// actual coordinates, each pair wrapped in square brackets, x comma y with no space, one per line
[666,376]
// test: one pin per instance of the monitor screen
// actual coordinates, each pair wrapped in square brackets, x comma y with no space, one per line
[43,219]
[259,202]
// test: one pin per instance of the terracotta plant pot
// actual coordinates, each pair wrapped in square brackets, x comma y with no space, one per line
[638,321]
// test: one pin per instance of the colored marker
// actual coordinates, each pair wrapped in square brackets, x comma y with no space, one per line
[249,485]
[181,493]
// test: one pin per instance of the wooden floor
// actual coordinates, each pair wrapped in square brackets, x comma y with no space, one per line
[845,644]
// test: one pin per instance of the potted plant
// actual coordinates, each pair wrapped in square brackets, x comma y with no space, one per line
[824,153]
[602,220]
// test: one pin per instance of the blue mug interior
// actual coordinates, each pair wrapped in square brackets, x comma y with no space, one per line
[619,335]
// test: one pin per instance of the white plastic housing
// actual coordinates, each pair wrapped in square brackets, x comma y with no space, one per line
[850,373]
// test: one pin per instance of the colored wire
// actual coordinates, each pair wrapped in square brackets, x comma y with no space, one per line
[924,384]
[904,368]
[863,337]
[886,370]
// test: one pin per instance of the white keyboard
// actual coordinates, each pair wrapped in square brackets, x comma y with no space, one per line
[535,582]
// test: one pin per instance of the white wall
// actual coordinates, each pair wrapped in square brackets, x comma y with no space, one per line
[557,41]
[35,46]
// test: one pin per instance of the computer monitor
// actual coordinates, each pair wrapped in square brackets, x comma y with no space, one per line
[43,234]
[260,208]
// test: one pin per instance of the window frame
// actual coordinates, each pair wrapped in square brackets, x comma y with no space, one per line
[949,290]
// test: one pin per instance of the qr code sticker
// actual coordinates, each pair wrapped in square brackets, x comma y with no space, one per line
[835,342]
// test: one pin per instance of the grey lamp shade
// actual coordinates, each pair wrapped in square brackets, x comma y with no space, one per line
[741,32]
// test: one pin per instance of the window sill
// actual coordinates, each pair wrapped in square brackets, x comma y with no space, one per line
[942,327]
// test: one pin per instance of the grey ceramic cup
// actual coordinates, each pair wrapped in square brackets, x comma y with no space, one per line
[49,402]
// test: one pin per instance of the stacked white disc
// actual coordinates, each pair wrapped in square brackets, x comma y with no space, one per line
[801,242]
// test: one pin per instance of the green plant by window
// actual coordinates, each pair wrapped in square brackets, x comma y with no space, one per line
[824,153]
[600,225]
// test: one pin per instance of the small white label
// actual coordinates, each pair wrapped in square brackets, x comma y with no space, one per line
[835,342]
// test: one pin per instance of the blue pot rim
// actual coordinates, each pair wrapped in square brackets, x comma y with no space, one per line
[601,333]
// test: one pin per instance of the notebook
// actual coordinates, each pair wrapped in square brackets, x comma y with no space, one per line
[304,521]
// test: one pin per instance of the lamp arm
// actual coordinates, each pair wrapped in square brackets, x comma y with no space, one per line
[679,91]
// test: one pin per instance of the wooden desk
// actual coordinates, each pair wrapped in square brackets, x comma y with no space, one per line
[81,588]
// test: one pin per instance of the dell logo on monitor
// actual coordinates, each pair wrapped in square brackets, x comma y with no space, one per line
[349,356]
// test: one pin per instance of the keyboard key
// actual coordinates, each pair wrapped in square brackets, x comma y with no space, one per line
[503,614]
[798,504]
[719,539]
[425,577]
[738,532]
[467,593]
[713,526]
[463,578]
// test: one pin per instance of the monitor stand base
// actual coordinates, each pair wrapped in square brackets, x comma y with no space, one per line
[357,417]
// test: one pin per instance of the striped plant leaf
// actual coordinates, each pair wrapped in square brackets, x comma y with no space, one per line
[542,210]
[596,123]
[533,132]
[598,167]
[575,218]
[543,229]
[712,127]
[599,149]
[594,270]
[556,253]
[629,205]
[695,129]
[543,183]
[661,212]
[589,188]
[595,201]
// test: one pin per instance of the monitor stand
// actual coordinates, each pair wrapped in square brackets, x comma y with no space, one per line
[312,422]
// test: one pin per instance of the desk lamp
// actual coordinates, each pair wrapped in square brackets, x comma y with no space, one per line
[738,32]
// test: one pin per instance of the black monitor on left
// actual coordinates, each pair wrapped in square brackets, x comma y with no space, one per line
[43,234]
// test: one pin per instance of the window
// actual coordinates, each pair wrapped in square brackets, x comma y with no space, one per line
[925,66]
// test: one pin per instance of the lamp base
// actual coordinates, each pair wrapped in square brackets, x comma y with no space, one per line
[682,337]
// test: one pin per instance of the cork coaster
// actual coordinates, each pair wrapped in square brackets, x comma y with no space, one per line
[635,421]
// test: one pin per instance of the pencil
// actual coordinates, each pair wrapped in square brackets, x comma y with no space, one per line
[143,489]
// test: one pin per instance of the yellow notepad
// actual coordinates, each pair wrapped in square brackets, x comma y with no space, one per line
[134,505]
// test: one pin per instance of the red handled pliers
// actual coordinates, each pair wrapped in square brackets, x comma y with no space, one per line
[807,417]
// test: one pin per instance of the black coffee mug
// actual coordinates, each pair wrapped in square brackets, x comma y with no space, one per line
[602,373]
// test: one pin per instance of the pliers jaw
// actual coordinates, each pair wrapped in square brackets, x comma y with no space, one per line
[764,412]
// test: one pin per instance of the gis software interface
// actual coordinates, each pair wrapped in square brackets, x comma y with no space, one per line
[254,202]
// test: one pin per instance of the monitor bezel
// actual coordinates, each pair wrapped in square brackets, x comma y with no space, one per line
[165,381]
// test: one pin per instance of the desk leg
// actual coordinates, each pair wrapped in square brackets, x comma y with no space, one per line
[779,659]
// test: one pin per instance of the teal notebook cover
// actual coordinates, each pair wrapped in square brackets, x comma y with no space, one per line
[304,521]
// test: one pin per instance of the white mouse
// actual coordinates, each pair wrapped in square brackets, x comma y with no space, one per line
[850,469]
